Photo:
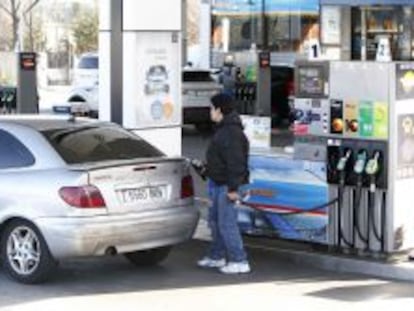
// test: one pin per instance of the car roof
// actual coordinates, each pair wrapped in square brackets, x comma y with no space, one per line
[44,123]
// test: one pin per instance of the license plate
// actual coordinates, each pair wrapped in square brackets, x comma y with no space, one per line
[143,195]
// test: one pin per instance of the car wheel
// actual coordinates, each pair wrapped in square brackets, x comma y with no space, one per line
[148,257]
[26,256]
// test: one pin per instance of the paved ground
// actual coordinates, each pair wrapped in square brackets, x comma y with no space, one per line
[113,284]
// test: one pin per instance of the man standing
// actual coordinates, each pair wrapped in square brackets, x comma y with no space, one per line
[227,170]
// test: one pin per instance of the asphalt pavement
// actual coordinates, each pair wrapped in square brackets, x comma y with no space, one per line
[111,283]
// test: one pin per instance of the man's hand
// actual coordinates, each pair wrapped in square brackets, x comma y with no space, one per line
[200,167]
[233,196]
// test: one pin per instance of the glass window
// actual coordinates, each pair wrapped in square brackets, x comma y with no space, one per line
[13,153]
[98,143]
[237,24]
[90,62]
[197,76]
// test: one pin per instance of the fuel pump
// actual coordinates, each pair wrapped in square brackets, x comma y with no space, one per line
[364,131]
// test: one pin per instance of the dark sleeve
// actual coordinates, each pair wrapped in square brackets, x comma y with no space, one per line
[235,154]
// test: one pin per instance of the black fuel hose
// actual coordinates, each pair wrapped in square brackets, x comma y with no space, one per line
[371,205]
[358,197]
[341,235]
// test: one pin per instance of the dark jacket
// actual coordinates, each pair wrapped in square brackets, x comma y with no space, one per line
[227,154]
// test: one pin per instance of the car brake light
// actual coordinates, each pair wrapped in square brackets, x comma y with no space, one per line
[187,189]
[82,197]
[290,88]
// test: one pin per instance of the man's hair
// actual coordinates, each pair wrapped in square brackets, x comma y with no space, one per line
[224,102]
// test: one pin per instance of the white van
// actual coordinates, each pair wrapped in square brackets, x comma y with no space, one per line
[86,73]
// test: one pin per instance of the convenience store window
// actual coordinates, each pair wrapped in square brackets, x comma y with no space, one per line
[370,24]
[238,25]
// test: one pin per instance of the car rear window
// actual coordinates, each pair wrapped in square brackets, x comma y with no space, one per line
[88,63]
[98,143]
[197,76]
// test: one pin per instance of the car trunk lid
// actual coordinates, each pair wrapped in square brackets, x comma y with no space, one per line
[134,186]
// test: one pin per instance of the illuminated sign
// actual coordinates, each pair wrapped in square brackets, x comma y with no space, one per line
[28,61]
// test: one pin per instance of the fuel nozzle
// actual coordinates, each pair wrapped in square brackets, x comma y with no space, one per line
[360,162]
[373,164]
[372,169]
[343,161]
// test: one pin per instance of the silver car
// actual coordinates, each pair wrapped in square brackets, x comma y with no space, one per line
[74,187]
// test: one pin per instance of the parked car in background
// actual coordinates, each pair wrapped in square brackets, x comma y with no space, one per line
[84,101]
[80,101]
[76,187]
[86,73]
[198,87]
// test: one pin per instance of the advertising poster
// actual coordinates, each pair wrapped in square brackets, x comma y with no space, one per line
[331,25]
[158,79]
[366,127]
[405,165]
[257,130]
[405,81]
[380,120]
[336,112]
[285,199]
[351,118]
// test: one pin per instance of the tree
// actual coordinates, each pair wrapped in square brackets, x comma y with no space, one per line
[34,37]
[16,9]
[85,31]
[5,36]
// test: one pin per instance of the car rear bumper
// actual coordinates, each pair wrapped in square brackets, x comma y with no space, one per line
[93,236]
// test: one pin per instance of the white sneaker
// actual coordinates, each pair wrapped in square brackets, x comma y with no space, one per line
[207,262]
[235,267]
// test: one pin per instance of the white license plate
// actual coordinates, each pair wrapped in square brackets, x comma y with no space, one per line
[143,195]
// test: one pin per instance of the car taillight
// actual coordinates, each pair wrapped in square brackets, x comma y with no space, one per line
[82,197]
[187,189]
[290,88]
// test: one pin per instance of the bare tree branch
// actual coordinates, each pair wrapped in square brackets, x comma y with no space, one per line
[18,6]
[34,3]
[4,8]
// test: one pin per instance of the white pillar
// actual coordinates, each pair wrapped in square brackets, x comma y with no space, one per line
[226,34]
[150,77]
[205,33]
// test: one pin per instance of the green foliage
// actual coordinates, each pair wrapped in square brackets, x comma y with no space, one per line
[85,30]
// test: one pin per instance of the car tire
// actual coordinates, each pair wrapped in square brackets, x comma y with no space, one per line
[150,257]
[38,268]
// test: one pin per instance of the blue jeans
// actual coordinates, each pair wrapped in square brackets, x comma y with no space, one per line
[222,219]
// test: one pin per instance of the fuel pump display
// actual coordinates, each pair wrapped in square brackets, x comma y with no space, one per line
[350,108]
